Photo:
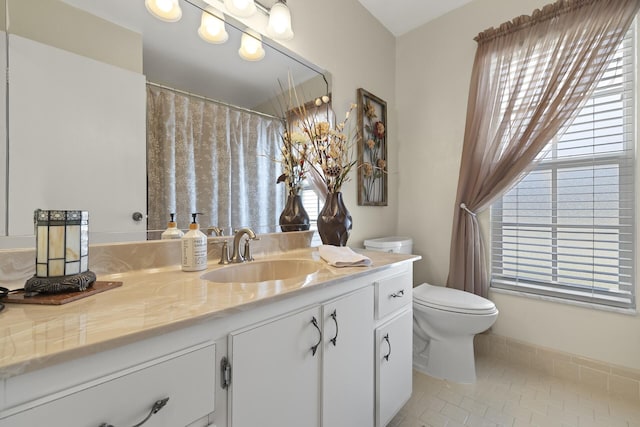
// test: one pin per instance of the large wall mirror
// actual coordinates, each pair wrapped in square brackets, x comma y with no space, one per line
[77,102]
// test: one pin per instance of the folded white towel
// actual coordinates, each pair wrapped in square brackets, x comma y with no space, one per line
[343,256]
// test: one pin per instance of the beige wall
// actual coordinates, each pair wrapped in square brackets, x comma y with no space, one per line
[342,37]
[433,69]
[57,24]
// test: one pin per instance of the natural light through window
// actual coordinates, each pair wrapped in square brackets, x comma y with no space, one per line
[567,228]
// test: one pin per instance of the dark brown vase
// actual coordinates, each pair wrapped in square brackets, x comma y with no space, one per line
[293,216]
[334,221]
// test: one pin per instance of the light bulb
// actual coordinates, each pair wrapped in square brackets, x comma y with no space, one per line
[279,26]
[165,10]
[212,28]
[164,5]
[241,4]
[240,8]
[251,46]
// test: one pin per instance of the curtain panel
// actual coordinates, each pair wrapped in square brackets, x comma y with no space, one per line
[208,157]
[529,80]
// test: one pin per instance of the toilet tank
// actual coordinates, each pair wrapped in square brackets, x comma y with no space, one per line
[395,244]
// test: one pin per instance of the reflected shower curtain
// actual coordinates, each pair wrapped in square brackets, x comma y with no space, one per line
[206,157]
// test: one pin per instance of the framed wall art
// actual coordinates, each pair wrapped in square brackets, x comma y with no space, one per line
[372,150]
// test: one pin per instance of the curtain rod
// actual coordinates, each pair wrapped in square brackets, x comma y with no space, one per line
[215,101]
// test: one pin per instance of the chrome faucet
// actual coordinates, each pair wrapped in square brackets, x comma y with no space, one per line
[237,257]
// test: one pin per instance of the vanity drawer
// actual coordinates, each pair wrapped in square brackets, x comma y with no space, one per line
[125,398]
[393,293]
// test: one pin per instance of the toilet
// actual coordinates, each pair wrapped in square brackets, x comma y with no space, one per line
[445,321]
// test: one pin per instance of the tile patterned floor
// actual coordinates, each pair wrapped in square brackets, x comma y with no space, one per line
[510,395]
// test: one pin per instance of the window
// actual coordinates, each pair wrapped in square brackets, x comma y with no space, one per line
[311,203]
[567,228]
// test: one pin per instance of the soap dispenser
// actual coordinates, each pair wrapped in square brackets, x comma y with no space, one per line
[194,247]
[172,231]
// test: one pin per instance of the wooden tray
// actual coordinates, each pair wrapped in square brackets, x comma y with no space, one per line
[62,298]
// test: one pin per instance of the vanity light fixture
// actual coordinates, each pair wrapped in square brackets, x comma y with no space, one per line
[212,26]
[240,8]
[251,46]
[165,10]
[279,26]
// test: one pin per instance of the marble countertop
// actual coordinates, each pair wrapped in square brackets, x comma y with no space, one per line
[150,303]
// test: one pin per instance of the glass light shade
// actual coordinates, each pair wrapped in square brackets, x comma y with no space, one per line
[62,242]
[240,8]
[212,28]
[251,46]
[279,26]
[165,10]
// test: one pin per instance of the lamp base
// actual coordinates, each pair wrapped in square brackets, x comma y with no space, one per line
[55,285]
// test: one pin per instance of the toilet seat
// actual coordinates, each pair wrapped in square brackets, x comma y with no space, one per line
[454,300]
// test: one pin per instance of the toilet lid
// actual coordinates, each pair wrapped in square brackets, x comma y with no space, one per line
[452,300]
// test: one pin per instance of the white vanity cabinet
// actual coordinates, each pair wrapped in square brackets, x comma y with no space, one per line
[334,354]
[124,398]
[309,368]
[393,341]
[275,373]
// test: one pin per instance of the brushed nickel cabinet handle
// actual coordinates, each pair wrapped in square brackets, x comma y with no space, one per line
[156,407]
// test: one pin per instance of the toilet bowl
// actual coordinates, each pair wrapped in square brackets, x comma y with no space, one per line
[444,323]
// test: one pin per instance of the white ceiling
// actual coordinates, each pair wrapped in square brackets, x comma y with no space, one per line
[401,16]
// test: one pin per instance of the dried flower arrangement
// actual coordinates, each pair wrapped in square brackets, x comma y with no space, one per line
[330,148]
[294,155]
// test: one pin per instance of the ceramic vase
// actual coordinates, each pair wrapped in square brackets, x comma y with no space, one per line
[334,221]
[294,217]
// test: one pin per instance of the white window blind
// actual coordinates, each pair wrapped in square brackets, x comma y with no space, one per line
[312,205]
[567,228]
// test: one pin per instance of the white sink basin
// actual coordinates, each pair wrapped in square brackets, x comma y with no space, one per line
[263,271]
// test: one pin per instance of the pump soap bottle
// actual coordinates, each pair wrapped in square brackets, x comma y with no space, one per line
[194,247]
[172,231]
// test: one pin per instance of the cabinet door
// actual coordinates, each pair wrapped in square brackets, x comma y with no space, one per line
[126,397]
[393,366]
[347,397]
[275,374]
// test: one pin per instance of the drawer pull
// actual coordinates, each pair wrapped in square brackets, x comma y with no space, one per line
[398,294]
[386,356]
[314,348]
[334,316]
[156,407]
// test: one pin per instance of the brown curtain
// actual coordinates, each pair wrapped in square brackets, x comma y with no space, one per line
[529,80]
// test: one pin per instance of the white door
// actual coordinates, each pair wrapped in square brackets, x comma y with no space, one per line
[348,386]
[275,373]
[77,140]
[393,366]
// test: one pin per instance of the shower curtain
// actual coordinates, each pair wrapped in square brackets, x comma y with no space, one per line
[204,156]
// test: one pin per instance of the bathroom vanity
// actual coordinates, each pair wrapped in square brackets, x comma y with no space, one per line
[329,347]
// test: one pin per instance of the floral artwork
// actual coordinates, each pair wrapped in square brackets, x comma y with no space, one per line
[372,150]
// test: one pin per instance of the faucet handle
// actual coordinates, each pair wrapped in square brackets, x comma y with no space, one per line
[247,250]
[213,230]
[224,254]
